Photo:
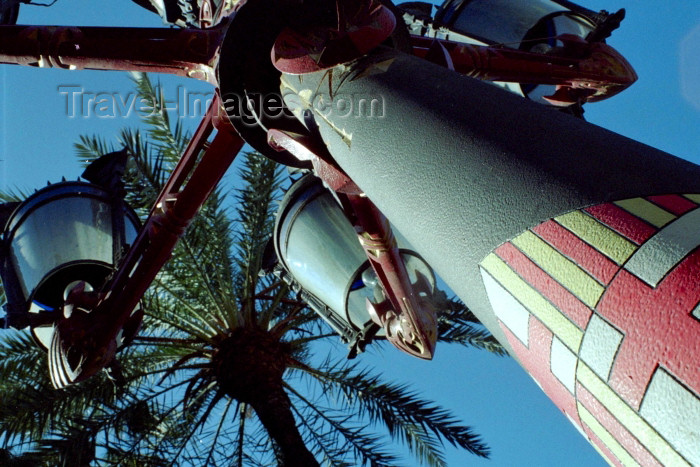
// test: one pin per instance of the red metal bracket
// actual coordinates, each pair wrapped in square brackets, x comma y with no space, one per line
[188,187]
[362,26]
[306,148]
[410,323]
[584,71]
[191,53]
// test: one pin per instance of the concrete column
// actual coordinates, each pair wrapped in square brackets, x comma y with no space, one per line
[575,246]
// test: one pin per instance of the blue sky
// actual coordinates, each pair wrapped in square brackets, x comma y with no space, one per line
[496,397]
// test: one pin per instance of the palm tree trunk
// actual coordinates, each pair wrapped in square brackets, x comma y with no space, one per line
[274,409]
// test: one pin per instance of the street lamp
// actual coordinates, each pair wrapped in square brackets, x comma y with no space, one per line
[536,26]
[516,24]
[321,257]
[61,235]
[574,246]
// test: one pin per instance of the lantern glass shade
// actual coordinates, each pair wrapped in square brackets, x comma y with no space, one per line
[532,26]
[511,22]
[318,246]
[59,235]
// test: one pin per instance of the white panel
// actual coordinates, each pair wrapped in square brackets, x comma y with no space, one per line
[600,343]
[696,311]
[510,311]
[658,255]
[674,412]
[563,364]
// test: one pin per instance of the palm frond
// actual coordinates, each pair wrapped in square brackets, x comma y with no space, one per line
[325,427]
[254,223]
[154,113]
[29,407]
[397,408]
[89,148]
[73,442]
[13,195]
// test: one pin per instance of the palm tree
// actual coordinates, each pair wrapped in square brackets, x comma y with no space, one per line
[226,369]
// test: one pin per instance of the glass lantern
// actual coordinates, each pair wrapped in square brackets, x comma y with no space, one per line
[530,26]
[319,250]
[59,236]
[514,23]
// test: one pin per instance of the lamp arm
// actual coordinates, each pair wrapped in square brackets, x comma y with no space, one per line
[184,193]
[410,323]
[584,71]
[191,53]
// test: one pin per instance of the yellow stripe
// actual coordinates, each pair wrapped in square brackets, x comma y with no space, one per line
[603,455]
[607,439]
[628,417]
[565,271]
[559,324]
[607,241]
[693,197]
[648,211]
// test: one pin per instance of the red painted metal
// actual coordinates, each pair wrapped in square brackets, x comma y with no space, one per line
[655,323]
[410,323]
[359,30]
[626,439]
[587,71]
[306,148]
[557,294]
[206,14]
[633,228]
[583,71]
[588,259]
[226,8]
[191,53]
[671,343]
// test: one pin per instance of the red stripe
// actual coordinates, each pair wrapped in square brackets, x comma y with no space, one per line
[536,360]
[676,204]
[615,428]
[621,221]
[658,326]
[561,298]
[587,257]
[593,438]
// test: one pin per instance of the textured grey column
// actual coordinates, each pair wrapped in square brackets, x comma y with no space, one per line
[460,166]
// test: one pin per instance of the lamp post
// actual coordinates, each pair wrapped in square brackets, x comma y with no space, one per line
[574,246]
[61,238]
[59,235]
